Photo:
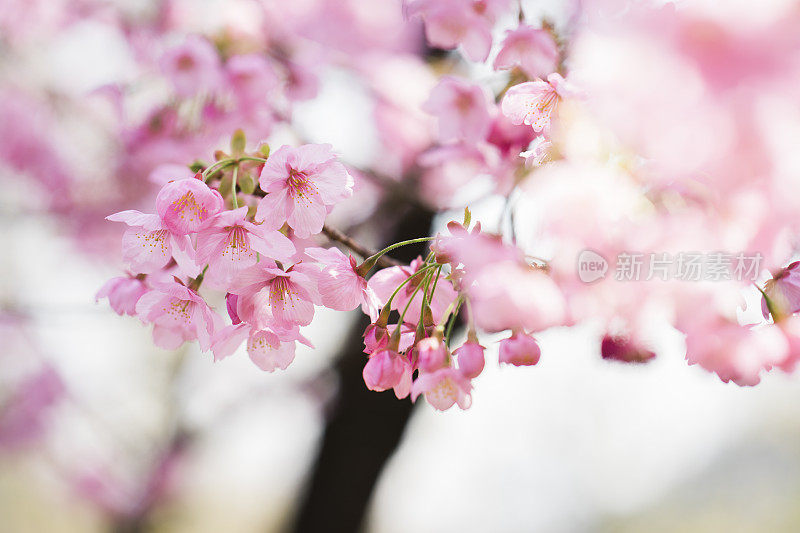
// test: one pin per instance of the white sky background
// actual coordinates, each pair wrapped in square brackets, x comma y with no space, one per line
[566,445]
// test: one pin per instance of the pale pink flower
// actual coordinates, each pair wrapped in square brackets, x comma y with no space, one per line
[520,350]
[148,245]
[178,314]
[535,102]
[302,183]
[539,155]
[783,291]
[443,389]
[122,292]
[340,286]
[228,242]
[251,78]
[269,350]
[384,282]
[269,297]
[462,109]
[192,67]
[385,369]
[471,359]
[449,23]
[532,49]
[431,354]
[513,295]
[184,205]
[734,352]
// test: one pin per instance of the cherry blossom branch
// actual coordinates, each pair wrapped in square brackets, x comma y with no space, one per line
[338,236]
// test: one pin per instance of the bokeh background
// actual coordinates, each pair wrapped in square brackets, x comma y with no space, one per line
[101,431]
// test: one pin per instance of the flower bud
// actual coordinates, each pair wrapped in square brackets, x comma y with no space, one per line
[470,359]
[431,354]
[519,350]
[384,370]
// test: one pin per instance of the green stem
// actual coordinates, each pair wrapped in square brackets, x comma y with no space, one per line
[370,261]
[450,324]
[221,163]
[425,282]
[234,199]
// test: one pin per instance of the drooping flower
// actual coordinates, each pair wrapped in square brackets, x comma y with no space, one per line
[443,388]
[184,205]
[178,314]
[532,49]
[302,183]
[122,292]
[535,102]
[376,337]
[385,369]
[269,297]
[148,245]
[470,358]
[340,285]
[520,350]
[268,349]
[228,242]
[781,294]
[431,354]
[462,109]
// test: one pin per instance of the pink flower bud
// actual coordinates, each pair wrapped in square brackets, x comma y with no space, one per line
[519,350]
[431,354]
[231,301]
[384,370]
[470,359]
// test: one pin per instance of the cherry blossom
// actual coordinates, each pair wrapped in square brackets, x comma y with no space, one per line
[301,183]
[535,102]
[532,49]
[443,389]
[520,350]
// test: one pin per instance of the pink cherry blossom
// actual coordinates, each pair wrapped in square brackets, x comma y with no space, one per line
[302,183]
[471,359]
[178,314]
[269,350]
[532,49]
[269,297]
[385,369]
[251,77]
[462,108]
[443,388]
[184,205]
[431,354]
[228,242]
[122,292]
[783,292]
[513,295]
[535,102]
[340,286]
[449,23]
[192,67]
[148,245]
[734,352]
[520,350]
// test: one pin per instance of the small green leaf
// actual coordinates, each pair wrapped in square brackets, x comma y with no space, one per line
[467,217]
[264,149]
[246,183]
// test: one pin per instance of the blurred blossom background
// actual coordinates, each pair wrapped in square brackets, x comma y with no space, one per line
[102,431]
